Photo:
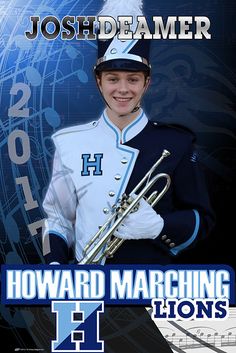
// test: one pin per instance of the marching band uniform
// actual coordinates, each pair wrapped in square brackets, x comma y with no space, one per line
[96,163]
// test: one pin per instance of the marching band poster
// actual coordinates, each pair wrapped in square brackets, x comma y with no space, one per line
[47,83]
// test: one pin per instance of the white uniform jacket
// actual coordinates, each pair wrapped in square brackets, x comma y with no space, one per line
[90,173]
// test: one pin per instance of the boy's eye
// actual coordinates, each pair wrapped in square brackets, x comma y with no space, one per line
[129,79]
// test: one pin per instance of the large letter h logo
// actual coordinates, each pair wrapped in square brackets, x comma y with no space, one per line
[92,163]
[77,326]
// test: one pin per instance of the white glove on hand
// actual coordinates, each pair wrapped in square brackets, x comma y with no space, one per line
[142,224]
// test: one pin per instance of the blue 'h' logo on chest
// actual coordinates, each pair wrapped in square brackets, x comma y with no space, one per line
[95,163]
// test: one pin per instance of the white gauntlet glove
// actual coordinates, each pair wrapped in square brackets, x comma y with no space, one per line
[142,224]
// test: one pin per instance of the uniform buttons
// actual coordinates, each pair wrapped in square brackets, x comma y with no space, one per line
[172,245]
[117,176]
[155,123]
[111,193]
[124,160]
[106,210]
[167,241]
[164,237]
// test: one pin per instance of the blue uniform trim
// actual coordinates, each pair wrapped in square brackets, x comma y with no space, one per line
[181,247]
[128,46]
[58,234]
[131,125]
[122,149]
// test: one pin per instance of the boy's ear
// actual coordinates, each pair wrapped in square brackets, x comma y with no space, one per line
[98,79]
[147,81]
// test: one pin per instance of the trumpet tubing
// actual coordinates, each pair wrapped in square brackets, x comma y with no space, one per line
[101,245]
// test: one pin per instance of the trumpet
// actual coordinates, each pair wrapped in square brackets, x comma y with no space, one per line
[101,245]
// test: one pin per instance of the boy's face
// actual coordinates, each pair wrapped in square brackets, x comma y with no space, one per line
[122,90]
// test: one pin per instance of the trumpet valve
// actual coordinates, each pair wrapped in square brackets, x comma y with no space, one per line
[126,202]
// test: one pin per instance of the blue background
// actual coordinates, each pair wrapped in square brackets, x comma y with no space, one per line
[193,83]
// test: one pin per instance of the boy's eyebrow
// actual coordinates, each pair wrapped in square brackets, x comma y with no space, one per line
[116,74]
[110,73]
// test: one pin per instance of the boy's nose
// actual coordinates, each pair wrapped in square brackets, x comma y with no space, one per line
[123,87]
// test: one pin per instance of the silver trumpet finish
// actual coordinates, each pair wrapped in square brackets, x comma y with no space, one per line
[101,245]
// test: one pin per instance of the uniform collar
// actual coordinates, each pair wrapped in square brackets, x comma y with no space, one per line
[130,131]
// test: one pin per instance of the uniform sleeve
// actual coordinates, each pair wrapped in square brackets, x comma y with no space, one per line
[60,207]
[193,217]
